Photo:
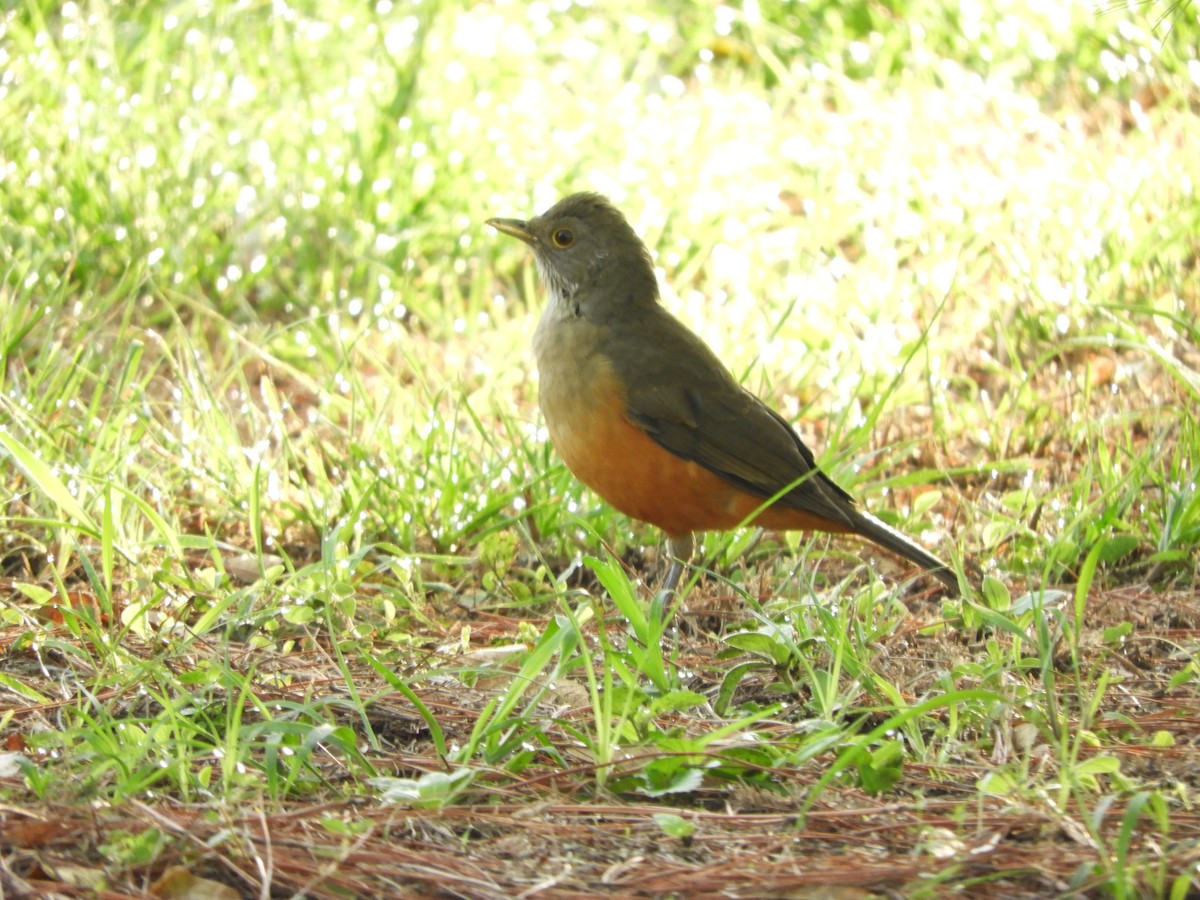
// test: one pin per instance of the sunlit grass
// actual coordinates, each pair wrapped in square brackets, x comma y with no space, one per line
[281,517]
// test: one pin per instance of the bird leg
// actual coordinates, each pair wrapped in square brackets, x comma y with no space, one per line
[680,548]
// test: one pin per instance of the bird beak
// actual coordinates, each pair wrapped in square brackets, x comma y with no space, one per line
[517,228]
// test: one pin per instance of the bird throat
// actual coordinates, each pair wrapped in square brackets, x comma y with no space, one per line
[561,293]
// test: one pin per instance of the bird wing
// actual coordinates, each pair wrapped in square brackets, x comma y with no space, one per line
[731,432]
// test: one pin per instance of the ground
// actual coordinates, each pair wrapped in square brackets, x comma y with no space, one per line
[296,599]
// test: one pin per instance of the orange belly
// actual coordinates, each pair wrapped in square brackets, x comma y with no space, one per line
[625,466]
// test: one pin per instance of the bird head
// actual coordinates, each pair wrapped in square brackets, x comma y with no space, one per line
[586,252]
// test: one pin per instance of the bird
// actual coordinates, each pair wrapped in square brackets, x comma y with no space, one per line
[644,413]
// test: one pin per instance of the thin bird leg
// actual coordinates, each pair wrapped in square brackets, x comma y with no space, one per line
[680,548]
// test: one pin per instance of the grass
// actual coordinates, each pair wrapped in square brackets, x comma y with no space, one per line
[297,598]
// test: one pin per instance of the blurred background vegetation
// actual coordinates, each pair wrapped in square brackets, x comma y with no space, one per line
[228,189]
[274,475]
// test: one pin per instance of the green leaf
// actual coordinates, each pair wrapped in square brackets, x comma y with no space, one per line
[1117,633]
[1040,599]
[1099,765]
[429,791]
[346,827]
[676,700]
[924,502]
[675,826]
[760,644]
[614,581]
[880,769]
[129,849]
[300,614]
[729,685]
[998,784]
[49,484]
[22,690]
[996,595]
[1117,547]
[664,777]
[1190,672]
[34,592]
[1169,556]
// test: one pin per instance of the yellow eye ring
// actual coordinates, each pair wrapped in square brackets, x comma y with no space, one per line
[563,238]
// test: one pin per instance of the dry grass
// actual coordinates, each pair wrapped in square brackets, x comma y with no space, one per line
[295,600]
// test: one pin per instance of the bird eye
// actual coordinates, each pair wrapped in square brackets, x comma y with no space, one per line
[563,238]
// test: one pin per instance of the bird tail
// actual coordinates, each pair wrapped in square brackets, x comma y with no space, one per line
[890,539]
